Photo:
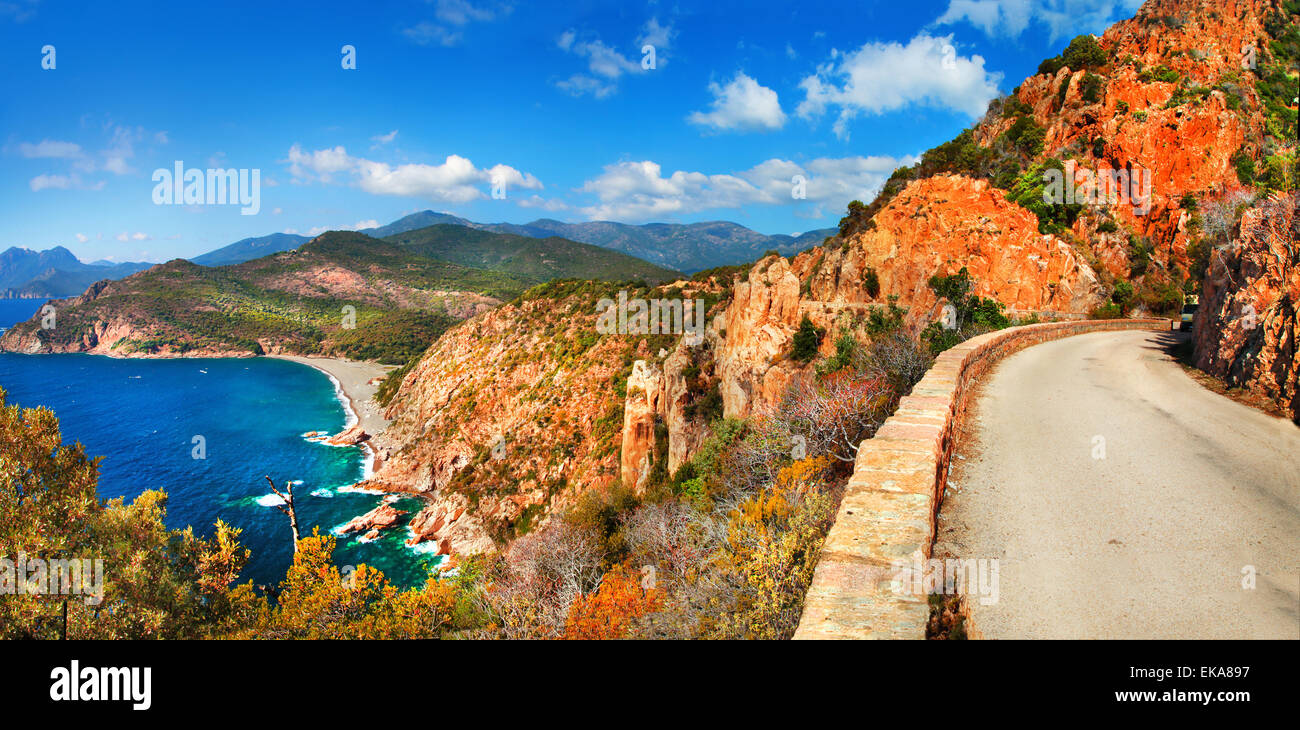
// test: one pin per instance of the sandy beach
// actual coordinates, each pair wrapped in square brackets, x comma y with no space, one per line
[353,377]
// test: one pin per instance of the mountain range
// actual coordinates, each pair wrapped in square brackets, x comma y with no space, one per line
[689,247]
[55,272]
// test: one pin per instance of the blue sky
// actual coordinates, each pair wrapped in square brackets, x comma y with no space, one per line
[553,100]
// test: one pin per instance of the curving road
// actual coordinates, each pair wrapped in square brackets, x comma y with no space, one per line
[1150,541]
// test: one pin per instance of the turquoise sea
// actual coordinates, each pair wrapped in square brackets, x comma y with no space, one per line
[143,417]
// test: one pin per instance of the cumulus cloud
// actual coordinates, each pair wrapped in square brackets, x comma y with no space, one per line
[1011,18]
[631,191]
[456,180]
[884,77]
[742,104]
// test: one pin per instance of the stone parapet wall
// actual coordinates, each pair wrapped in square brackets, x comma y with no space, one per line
[892,500]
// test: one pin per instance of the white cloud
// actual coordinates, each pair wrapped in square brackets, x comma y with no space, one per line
[82,238]
[47,148]
[317,230]
[20,10]
[632,191]
[742,104]
[579,84]
[383,139]
[884,77]
[320,164]
[1011,18]
[429,34]
[605,64]
[452,17]
[456,180]
[550,204]
[121,148]
[57,182]
[659,36]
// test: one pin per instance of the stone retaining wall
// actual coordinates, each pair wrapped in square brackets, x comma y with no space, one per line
[892,500]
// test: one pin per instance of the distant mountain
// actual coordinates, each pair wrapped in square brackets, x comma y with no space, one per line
[688,247]
[539,259]
[55,272]
[415,221]
[251,248]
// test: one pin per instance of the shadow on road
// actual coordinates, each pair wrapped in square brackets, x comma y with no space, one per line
[1175,344]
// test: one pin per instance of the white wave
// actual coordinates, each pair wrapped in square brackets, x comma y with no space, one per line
[270,500]
[323,493]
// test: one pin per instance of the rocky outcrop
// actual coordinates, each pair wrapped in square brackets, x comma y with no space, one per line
[755,335]
[1247,325]
[659,396]
[444,522]
[349,437]
[379,518]
[934,226]
[644,406]
[508,417]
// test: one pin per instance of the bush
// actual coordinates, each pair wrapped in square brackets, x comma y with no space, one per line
[1090,88]
[974,314]
[1084,52]
[1244,166]
[871,283]
[806,341]
[1027,192]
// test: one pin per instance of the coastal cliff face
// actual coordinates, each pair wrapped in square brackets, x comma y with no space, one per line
[1249,315]
[516,413]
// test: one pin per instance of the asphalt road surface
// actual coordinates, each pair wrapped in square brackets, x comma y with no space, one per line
[1124,500]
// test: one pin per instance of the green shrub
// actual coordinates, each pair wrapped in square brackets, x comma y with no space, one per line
[1090,88]
[1084,52]
[1244,166]
[806,340]
[871,282]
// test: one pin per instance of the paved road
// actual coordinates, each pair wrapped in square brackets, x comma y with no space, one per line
[1150,541]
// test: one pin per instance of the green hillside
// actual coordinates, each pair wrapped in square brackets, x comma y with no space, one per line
[539,259]
[292,300]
